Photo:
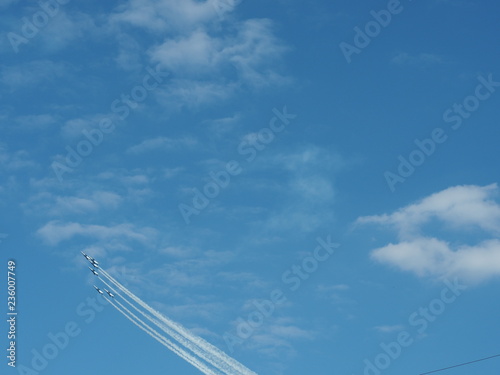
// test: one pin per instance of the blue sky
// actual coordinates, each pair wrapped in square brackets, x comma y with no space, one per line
[203,150]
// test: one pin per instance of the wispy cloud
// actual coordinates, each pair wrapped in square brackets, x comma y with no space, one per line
[161,16]
[419,60]
[6,3]
[389,329]
[15,160]
[308,194]
[333,288]
[162,144]
[171,172]
[49,204]
[35,122]
[207,63]
[458,3]
[55,232]
[277,337]
[222,126]
[67,28]
[32,73]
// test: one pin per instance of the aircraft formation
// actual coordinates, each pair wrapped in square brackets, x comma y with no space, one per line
[193,349]
[95,264]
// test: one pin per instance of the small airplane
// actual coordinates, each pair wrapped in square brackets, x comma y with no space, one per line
[86,256]
[94,262]
[109,293]
[93,271]
[98,290]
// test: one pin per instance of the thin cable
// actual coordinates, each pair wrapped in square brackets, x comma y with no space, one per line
[462,364]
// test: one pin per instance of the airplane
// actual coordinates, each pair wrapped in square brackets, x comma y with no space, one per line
[86,256]
[110,294]
[93,271]
[94,262]
[98,290]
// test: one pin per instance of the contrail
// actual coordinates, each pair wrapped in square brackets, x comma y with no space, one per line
[209,352]
[181,339]
[224,362]
[162,339]
[207,356]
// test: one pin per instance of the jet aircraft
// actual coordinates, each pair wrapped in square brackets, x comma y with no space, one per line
[98,290]
[92,261]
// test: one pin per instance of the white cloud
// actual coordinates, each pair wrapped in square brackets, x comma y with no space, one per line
[332,288]
[130,179]
[130,53]
[55,232]
[436,258]
[35,122]
[6,3]
[307,195]
[308,173]
[460,208]
[276,337]
[291,332]
[193,93]
[223,126]
[314,188]
[208,67]
[165,15]
[210,57]
[243,280]
[250,52]
[194,54]
[310,157]
[389,329]
[177,251]
[423,256]
[31,73]
[208,311]
[422,59]
[458,3]
[162,143]
[51,205]
[16,160]
[192,268]
[66,28]
[171,172]
[254,51]
[72,129]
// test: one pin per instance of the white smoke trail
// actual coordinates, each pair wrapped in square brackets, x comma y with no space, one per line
[181,339]
[162,339]
[235,368]
[186,341]
[207,356]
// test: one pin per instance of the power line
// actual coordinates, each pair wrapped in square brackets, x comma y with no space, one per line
[462,364]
